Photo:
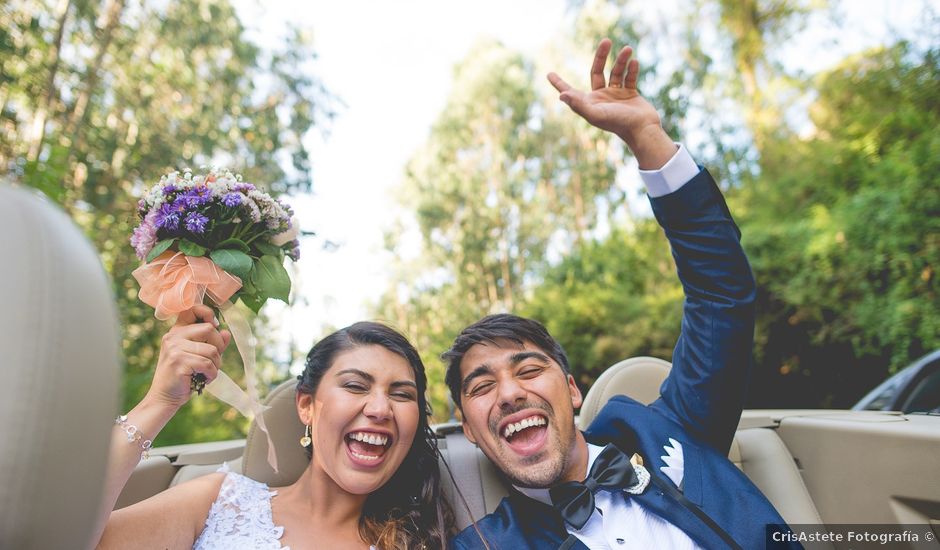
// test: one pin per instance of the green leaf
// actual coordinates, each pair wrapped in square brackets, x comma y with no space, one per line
[235,262]
[253,302]
[159,248]
[191,249]
[267,248]
[236,244]
[270,278]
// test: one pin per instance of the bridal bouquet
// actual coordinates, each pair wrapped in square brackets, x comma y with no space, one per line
[216,239]
[212,233]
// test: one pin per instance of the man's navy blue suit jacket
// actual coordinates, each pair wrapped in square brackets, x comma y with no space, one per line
[700,402]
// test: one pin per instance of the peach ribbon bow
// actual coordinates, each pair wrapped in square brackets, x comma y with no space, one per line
[173,283]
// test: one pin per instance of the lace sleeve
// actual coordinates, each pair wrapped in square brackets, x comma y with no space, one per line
[240,517]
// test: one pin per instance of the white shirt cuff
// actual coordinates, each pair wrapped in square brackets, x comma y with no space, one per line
[673,175]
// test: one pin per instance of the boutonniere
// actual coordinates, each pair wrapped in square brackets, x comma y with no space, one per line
[642,475]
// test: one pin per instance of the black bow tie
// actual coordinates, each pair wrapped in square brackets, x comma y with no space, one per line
[574,500]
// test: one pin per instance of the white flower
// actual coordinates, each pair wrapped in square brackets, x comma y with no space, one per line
[272,212]
[287,236]
[253,211]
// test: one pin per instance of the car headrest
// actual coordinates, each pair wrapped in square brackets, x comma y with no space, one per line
[59,376]
[286,430]
[637,377]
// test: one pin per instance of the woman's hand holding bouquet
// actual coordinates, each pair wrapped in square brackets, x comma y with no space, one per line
[193,346]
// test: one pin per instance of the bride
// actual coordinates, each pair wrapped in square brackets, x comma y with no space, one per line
[372,481]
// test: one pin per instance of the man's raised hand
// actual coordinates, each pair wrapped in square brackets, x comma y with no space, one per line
[616,106]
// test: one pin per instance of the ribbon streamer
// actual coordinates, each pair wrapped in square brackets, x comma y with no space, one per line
[173,283]
[236,317]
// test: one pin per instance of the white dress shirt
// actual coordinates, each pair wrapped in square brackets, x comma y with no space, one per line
[620,523]
[673,175]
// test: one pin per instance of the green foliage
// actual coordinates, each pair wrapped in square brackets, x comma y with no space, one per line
[234,261]
[611,299]
[843,228]
[159,248]
[270,277]
[99,99]
[234,244]
[191,249]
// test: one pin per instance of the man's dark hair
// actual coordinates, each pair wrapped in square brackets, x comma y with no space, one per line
[491,329]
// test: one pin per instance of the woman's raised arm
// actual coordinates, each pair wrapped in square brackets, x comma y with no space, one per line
[193,345]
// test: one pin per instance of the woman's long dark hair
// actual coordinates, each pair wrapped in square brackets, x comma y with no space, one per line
[410,510]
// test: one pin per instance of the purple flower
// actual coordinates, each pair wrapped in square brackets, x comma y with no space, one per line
[169,189]
[145,235]
[196,222]
[194,197]
[232,199]
[243,187]
[168,217]
[294,252]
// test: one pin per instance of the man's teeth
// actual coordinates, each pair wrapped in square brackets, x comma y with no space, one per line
[370,438]
[523,424]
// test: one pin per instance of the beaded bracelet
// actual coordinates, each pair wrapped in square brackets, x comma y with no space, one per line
[134,436]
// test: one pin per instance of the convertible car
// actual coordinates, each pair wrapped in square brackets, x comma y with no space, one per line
[61,366]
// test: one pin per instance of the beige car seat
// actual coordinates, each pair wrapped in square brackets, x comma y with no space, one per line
[757,451]
[60,374]
[286,430]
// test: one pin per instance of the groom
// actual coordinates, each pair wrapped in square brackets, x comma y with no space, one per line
[653,476]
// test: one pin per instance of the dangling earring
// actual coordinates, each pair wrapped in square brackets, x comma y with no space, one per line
[305,440]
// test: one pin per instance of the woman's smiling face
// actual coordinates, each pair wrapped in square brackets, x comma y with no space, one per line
[363,417]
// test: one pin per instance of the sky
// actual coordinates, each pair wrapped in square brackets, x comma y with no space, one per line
[390,63]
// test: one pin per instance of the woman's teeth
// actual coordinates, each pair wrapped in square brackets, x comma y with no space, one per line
[365,457]
[370,438]
[523,424]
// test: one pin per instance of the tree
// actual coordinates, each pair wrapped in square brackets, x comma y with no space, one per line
[610,299]
[101,98]
[842,229]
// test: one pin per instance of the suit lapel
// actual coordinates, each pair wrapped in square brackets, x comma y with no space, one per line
[691,485]
[541,525]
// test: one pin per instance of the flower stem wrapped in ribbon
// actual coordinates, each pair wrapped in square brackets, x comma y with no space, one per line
[212,238]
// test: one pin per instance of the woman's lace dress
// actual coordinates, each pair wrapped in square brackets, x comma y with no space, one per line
[240,518]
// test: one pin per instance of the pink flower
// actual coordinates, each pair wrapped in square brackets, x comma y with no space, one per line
[145,235]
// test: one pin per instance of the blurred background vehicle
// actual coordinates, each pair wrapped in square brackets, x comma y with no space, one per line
[914,389]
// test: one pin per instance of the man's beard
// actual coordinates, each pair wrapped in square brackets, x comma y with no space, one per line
[545,473]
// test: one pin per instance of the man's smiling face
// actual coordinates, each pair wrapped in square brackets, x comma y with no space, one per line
[518,406]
